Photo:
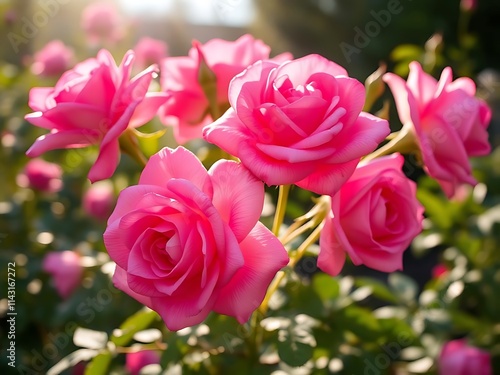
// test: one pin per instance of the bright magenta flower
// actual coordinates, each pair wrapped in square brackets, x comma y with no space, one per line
[94,103]
[99,200]
[53,59]
[66,271]
[298,123]
[374,218]
[188,111]
[187,241]
[458,358]
[448,122]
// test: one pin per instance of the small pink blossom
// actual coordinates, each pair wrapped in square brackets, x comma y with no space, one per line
[439,271]
[468,5]
[374,218]
[458,358]
[188,111]
[101,23]
[149,51]
[66,271]
[136,361]
[448,122]
[53,59]
[187,241]
[99,200]
[93,104]
[41,175]
[299,122]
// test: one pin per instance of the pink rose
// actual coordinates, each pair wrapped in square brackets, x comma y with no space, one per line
[374,218]
[41,175]
[149,51]
[136,361]
[99,200]
[458,358]
[66,271]
[448,122]
[94,103]
[53,59]
[101,23]
[187,242]
[189,107]
[298,123]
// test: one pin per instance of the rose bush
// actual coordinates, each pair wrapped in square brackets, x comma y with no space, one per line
[189,109]
[93,103]
[187,241]
[374,218]
[448,123]
[299,122]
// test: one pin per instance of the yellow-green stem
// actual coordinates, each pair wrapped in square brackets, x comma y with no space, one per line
[280,208]
[402,141]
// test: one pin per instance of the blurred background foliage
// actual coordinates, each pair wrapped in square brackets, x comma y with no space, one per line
[362,322]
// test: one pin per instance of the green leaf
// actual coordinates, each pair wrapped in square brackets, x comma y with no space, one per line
[135,323]
[379,289]
[436,209]
[404,287]
[149,142]
[99,365]
[406,52]
[359,321]
[325,286]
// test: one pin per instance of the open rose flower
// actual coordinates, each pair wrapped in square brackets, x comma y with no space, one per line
[94,103]
[298,123]
[458,358]
[187,241]
[53,59]
[66,271]
[188,111]
[374,218]
[447,121]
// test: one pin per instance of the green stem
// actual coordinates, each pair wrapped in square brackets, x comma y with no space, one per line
[130,146]
[402,141]
[280,208]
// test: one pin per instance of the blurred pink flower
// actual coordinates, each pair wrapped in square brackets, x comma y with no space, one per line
[188,111]
[136,361]
[448,122]
[299,122]
[41,175]
[439,270]
[53,59]
[66,270]
[94,103]
[99,200]
[149,51]
[102,23]
[374,218]
[187,241]
[468,5]
[458,358]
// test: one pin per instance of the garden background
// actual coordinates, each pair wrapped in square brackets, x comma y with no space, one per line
[361,322]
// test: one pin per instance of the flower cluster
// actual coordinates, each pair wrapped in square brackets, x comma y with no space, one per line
[187,241]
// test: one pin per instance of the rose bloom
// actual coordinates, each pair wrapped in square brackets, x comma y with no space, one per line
[458,358]
[187,241]
[299,122]
[53,59]
[94,103]
[447,121]
[149,51]
[136,361]
[66,271]
[41,175]
[188,111]
[99,200]
[101,23]
[374,218]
